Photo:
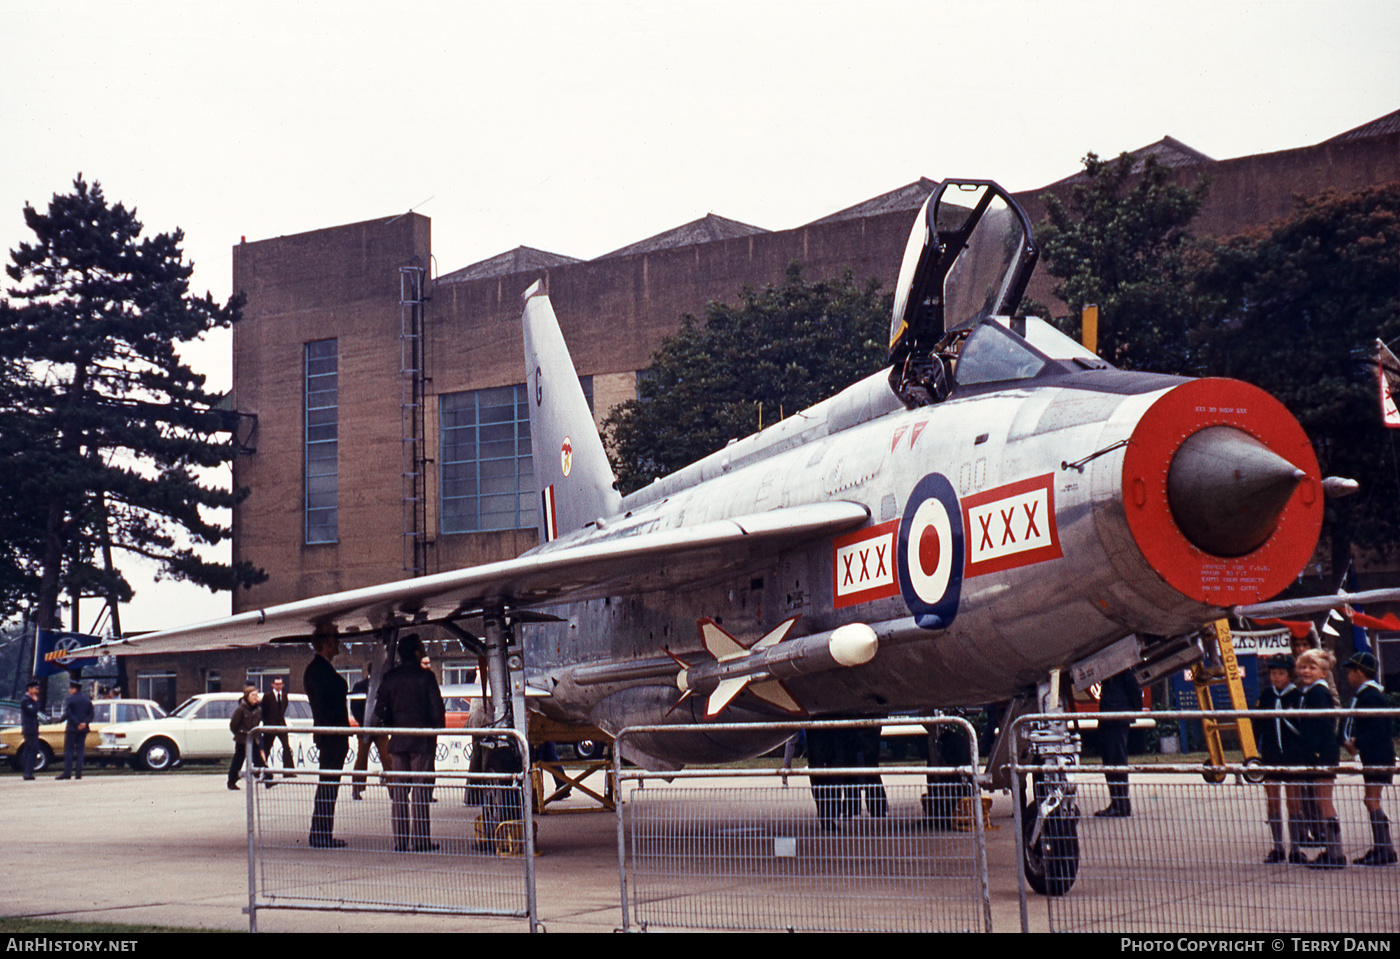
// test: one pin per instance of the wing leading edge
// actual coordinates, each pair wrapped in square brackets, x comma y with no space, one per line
[620,566]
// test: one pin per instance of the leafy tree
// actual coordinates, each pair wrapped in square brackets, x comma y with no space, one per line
[1297,307]
[1121,241]
[105,430]
[783,348]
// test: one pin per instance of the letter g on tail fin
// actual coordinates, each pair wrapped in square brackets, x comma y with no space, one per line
[574,482]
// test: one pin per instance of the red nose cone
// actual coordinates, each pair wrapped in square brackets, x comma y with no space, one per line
[1222,492]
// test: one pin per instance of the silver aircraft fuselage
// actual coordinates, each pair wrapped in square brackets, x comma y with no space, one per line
[1040,563]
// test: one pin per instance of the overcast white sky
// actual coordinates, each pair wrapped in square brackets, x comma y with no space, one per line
[579,127]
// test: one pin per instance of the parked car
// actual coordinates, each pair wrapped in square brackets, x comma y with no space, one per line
[9,712]
[105,712]
[458,698]
[457,702]
[197,729]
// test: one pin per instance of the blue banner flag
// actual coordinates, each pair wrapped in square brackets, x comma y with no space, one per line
[56,652]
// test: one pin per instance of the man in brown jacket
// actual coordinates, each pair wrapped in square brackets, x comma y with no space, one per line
[409,698]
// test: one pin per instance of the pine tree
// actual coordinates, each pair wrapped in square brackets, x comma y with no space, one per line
[106,433]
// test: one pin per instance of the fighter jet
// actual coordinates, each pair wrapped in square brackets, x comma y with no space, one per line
[997,504]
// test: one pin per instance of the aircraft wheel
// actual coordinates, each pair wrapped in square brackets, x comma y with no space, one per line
[158,755]
[1052,862]
[1212,774]
[1253,771]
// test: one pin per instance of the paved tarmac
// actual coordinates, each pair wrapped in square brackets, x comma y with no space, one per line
[173,850]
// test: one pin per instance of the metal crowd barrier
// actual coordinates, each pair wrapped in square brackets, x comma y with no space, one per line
[761,848]
[448,841]
[1191,856]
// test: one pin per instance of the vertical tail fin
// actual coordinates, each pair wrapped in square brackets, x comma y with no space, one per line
[574,481]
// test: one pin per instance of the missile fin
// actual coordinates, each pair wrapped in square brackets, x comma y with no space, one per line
[774,637]
[677,705]
[724,694]
[775,693]
[719,643]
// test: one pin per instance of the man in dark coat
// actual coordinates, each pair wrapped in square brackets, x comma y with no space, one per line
[274,713]
[29,728]
[409,698]
[326,689]
[1120,694]
[1370,737]
[77,713]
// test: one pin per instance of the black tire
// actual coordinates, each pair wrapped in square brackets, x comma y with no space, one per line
[158,756]
[1253,771]
[1052,862]
[590,749]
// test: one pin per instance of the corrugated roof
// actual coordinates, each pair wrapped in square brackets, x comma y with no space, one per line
[522,259]
[1390,123]
[909,197]
[704,230]
[1168,152]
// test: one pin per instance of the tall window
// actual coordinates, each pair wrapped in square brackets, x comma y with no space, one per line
[322,441]
[488,473]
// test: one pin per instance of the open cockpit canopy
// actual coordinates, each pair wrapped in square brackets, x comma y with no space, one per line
[969,257]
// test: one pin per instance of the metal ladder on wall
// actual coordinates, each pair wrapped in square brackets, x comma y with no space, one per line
[1222,670]
[411,426]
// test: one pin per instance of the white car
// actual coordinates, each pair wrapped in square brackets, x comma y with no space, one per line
[198,729]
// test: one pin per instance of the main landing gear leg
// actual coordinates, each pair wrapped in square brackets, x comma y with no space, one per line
[497,673]
[506,676]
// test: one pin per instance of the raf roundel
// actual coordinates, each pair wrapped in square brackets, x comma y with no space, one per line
[930,552]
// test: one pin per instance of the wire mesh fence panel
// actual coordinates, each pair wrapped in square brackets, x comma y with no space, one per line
[847,844]
[1196,856]
[431,842]
[441,859]
[764,856]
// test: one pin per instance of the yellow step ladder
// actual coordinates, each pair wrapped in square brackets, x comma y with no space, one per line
[1227,674]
